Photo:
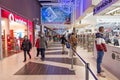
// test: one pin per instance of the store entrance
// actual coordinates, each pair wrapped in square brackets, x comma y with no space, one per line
[12,36]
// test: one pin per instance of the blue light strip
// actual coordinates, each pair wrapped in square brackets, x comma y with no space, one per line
[65,1]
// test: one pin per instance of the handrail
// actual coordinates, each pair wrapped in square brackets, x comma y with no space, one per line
[85,64]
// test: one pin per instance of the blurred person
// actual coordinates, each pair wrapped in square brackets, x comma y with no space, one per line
[116,40]
[26,46]
[63,41]
[37,44]
[42,46]
[73,41]
[101,48]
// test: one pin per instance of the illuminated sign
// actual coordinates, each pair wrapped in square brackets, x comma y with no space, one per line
[103,5]
[13,17]
[56,14]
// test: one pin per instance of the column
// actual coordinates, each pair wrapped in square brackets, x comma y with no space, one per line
[0,37]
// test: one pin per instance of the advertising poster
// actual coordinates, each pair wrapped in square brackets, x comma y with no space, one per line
[56,14]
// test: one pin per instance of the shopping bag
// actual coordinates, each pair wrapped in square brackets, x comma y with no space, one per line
[67,45]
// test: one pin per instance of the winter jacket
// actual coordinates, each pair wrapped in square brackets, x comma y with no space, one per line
[43,42]
[26,45]
[100,42]
[73,40]
[63,40]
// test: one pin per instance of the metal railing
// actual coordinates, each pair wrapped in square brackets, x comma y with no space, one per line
[87,68]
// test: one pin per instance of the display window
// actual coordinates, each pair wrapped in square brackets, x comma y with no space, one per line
[14,28]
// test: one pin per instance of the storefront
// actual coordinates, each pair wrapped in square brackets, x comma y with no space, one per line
[13,29]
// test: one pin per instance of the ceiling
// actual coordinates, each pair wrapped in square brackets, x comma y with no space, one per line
[90,19]
[112,10]
[48,1]
[94,2]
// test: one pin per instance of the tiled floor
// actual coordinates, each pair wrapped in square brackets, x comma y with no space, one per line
[55,67]
[33,68]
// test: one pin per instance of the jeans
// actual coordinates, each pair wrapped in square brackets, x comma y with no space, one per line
[42,50]
[25,55]
[63,47]
[99,60]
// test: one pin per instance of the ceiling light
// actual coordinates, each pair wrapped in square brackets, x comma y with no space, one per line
[113,10]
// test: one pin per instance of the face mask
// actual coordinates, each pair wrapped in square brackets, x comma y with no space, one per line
[26,38]
[41,35]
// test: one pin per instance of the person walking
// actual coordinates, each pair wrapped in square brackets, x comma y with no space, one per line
[42,46]
[63,41]
[37,44]
[26,46]
[73,41]
[101,48]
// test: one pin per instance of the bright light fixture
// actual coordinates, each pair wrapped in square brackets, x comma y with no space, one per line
[113,10]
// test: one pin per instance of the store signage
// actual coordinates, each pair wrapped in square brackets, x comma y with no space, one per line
[116,55]
[103,5]
[14,19]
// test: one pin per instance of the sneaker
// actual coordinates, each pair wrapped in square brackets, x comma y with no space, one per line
[100,75]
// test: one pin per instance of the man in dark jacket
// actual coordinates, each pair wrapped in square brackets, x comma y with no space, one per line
[26,46]
[63,41]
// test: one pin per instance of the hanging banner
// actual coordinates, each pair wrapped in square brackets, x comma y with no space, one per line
[82,6]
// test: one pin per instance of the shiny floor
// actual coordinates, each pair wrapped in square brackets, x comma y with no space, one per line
[57,66]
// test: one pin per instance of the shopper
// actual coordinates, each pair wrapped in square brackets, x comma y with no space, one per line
[37,44]
[116,40]
[73,41]
[101,48]
[63,41]
[42,46]
[26,46]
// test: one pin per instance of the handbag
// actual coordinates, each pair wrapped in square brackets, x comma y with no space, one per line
[67,45]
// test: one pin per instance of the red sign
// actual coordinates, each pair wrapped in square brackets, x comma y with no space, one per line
[13,17]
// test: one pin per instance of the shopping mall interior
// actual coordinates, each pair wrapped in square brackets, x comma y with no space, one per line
[64,39]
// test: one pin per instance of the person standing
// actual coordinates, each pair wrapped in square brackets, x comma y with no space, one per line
[63,41]
[42,46]
[26,46]
[101,48]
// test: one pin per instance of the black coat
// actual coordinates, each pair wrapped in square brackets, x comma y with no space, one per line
[26,45]
[63,40]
